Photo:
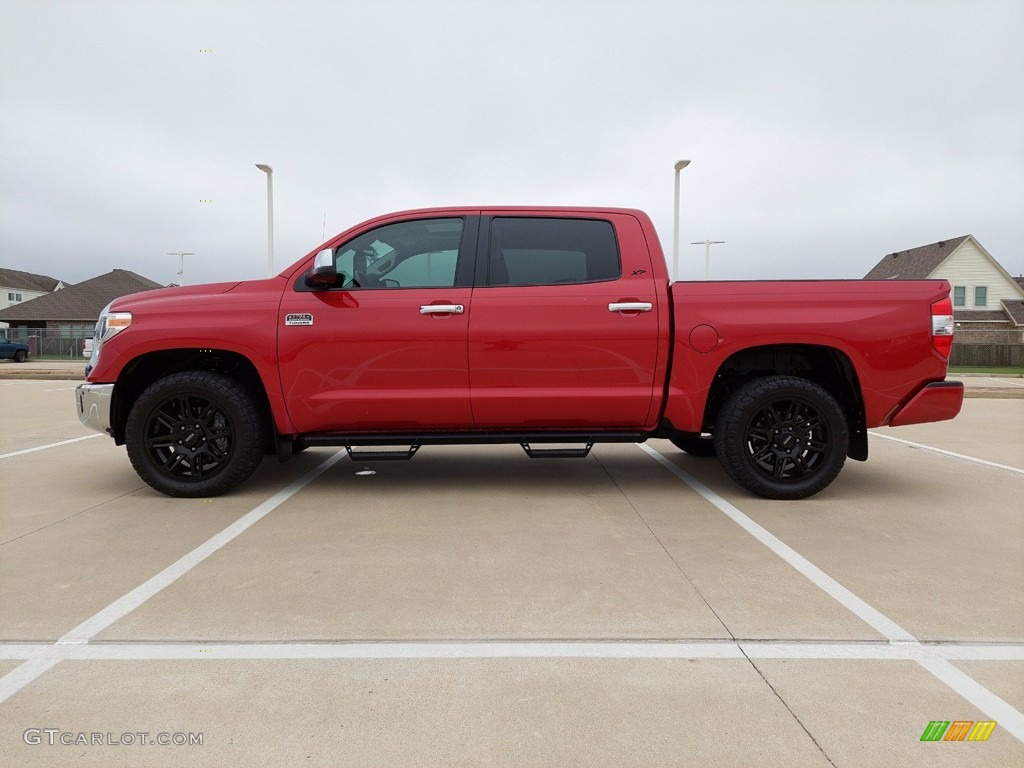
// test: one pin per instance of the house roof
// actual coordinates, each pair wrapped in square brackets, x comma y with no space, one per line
[82,302]
[979,316]
[1015,309]
[914,263]
[28,281]
[1019,281]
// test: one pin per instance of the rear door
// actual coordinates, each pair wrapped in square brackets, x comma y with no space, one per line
[386,348]
[564,328]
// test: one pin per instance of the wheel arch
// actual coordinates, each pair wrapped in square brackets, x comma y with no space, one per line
[826,366]
[147,368]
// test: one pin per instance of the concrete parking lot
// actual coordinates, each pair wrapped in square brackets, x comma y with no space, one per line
[475,607]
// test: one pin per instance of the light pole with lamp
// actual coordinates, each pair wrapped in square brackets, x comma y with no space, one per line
[675,229]
[707,254]
[270,216]
[181,263]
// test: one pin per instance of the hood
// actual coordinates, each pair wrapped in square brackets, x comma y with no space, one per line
[161,296]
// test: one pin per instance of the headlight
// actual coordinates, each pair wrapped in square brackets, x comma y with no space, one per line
[110,324]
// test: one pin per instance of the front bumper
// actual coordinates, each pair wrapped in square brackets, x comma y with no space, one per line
[93,402]
[938,401]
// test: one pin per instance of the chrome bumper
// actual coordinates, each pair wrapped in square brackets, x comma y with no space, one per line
[93,402]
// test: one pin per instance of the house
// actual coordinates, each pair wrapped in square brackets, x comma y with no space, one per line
[988,304]
[56,323]
[17,286]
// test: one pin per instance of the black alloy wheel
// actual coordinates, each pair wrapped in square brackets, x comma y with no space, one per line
[194,434]
[782,437]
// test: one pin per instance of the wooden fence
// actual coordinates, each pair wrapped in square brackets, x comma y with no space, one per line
[988,355]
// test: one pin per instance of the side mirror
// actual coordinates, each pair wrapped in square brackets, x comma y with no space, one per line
[323,274]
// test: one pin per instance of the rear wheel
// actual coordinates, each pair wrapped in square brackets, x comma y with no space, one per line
[20,356]
[782,437]
[695,445]
[195,434]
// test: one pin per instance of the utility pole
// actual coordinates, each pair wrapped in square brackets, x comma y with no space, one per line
[270,216]
[675,229]
[707,254]
[181,263]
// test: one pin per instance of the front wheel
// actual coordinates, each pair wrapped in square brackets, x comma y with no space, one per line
[782,437]
[20,356]
[195,434]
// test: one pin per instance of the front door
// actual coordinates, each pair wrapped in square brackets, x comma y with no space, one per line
[386,348]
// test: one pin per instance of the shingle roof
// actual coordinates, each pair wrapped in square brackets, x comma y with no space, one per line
[1015,309]
[82,302]
[1019,281]
[28,281]
[979,316]
[915,263]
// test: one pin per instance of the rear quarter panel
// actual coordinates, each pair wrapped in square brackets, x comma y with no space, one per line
[882,327]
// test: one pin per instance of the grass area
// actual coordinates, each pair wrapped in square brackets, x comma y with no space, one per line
[977,369]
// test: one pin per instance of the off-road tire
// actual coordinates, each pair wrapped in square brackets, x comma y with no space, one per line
[195,434]
[782,437]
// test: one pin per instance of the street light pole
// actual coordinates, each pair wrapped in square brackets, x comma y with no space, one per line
[270,216]
[675,228]
[707,254]
[181,263]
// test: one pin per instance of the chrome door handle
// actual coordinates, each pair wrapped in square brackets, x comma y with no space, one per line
[442,309]
[630,306]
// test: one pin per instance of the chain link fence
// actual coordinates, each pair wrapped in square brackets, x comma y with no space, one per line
[49,343]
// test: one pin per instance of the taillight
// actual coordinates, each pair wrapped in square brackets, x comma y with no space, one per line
[942,326]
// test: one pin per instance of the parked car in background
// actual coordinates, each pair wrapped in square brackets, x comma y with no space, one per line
[13,350]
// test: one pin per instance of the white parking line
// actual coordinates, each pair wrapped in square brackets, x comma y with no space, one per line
[1009,717]
[15,680]
[943,452]
[500,649]
[971,690]
[884,625]
[44,447]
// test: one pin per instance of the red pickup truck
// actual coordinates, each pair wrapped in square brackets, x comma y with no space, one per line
[554,328]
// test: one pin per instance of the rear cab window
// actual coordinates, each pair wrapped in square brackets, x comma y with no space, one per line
[532,251]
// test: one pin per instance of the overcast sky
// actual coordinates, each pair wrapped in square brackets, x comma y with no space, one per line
[823,134]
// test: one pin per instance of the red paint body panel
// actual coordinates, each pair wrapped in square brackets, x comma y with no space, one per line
[936,402]
[371,361]
[555,357]
[538,357]
[235,317]
[882,327]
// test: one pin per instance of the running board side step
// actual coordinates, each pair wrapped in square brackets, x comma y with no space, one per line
[405,455]
[557,453]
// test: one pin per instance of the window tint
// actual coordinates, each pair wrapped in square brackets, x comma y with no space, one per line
[959,296]
[410,254]
[548,251]
[980,296]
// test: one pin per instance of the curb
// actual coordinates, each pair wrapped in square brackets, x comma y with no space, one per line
[41,375]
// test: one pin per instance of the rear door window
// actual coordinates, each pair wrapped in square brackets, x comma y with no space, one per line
[551,251]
